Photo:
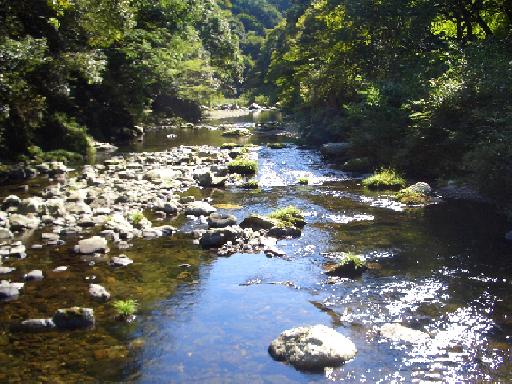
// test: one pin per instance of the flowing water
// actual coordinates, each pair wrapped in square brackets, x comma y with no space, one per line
[444,269]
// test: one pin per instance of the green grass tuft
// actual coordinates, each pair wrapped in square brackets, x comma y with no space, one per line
[125,307]
[385,179]
[136,217]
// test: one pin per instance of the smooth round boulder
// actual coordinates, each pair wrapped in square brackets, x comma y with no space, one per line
[312,348]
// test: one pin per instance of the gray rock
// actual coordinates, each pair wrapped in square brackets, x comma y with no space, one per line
[50,236]
[61,268]
[78,208]
[120,261]
[199,208]
[18,251]
[74,318]
[4,270]
[92,245]
[170,208]
[274,251]
[32,205]
[5,234]
[99,292]
[36,274]
[312,348]
[22,222]
[11,201]
[37,324]
[217,237]
[207,179]
[10,290]
[221,220]
[335,149]
[256,222]
[282,232]
[421,188]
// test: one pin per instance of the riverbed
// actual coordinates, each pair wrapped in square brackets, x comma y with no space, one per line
[443,269]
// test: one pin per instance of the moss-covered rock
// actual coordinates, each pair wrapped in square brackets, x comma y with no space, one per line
[351,265]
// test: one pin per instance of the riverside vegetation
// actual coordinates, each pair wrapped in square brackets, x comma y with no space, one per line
[411,89]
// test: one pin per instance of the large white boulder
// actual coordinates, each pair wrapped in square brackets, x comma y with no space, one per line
[92,245]
[312,348]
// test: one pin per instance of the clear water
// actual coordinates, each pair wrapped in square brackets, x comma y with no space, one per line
[443,269]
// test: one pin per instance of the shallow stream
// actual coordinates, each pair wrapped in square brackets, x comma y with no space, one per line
[444,269]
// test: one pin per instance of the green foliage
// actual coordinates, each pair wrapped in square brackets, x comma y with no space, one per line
[243,166]
[385,179]
[303,181]
[75,69]
[125,308]
[288,216]
[136,217]
[62,155]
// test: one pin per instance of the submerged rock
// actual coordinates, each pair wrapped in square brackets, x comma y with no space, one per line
[312,348]
[398,332]
[74,318]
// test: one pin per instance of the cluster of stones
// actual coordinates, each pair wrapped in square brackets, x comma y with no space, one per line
[109,198]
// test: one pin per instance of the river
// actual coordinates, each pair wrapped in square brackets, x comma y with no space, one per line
[443,269]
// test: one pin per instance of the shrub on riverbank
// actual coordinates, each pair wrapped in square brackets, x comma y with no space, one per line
[385,179]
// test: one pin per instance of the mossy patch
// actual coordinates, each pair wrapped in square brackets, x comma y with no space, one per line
[243,166]
[288,216]
[303,180]
[410,197]
[385,179]
[251,184]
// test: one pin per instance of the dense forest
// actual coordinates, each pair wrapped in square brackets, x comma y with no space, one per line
[420,86]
